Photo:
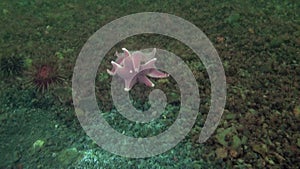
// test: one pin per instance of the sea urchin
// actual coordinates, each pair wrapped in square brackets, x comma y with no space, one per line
[43,75]
[12,65]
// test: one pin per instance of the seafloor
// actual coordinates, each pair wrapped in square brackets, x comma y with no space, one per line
[257,41]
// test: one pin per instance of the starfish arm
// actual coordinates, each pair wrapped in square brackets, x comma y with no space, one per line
[148,65]
[150,55]
[116,65]
[118,54]
[136,60]
[120,58]
[126,52]
[145,80]
[122,71]
[111,72]
[126,73]
[129,84]
[157,74]
[114,69]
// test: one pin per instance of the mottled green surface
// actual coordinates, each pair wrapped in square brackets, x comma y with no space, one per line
[258,43]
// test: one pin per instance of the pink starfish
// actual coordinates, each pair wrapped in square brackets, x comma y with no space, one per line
[128,67]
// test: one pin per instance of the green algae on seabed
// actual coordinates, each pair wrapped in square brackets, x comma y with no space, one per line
[258,42]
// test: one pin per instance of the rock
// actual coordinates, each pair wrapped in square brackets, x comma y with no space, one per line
[296,111]
[236,142]
[16,156]
[221,153]
[260,148]
[221,134]
[298,142]
[38,144]
[233,153]
[3,117]
[69,156]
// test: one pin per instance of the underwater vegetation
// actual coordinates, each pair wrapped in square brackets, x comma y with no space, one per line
[11,65]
